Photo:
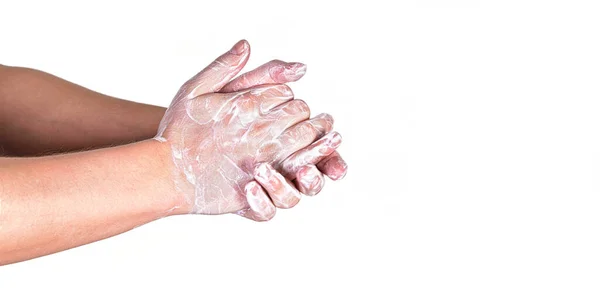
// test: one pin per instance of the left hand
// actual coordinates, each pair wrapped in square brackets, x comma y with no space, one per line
[307,163]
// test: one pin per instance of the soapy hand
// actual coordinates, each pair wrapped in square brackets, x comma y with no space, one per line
[236,151]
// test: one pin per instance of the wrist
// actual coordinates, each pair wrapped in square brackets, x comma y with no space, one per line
[155,159]
[164,175]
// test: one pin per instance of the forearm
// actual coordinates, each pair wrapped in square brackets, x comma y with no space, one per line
[53,203]
[42,114]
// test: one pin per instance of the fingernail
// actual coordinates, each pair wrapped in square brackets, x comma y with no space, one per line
[342,175]
[320,126]
[255,200]
[308,180]
[324,115]
[311,180]
[240,47]
[338,167]
[265,174]
[294,71]
[335,140]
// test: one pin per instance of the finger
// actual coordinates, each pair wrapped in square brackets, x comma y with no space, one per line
[261,207]
[272,124]
[312,154]
[303,134]
[295,138]
[333,166]
[249,103]
[218,73]
[275,71]
[283,194]
[270,96]
[309,180]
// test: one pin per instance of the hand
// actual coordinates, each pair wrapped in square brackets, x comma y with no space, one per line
[308,179]
[221,142]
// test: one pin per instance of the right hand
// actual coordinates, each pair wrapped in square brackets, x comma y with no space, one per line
[225,145]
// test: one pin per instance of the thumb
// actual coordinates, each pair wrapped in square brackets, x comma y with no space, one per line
[218,73]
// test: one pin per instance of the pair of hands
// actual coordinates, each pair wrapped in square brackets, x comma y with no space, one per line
[246,146]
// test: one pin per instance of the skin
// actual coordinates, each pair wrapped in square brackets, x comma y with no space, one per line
[90,120]
[222,141]
[57,202]
[86,120]
[44,210]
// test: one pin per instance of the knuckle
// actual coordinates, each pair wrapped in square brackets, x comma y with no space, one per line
[275,62]
[221,62]
[307,130]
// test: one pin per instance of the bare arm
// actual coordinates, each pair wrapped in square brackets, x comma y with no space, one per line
[53,203]
[42,114]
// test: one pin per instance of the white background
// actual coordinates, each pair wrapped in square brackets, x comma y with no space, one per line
[471,129]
